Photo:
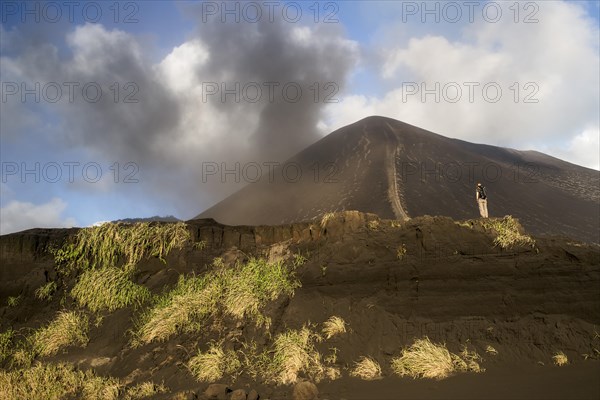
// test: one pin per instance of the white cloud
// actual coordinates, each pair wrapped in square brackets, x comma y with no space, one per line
[172,129]
[17,216]
[22,119]
[583,149]
[99,223]
[179,67]
[559,55]
[200,123]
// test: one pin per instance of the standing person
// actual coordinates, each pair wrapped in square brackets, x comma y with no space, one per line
[481,197]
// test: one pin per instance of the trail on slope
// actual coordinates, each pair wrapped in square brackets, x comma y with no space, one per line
[391,174]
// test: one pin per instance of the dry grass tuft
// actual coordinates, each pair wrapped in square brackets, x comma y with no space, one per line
[490,350]
[69,328]
[56,382]
[144,390]
[373,225]
[241,291]
[332,373]
[326,218]
[334,326]
[560,359]
[291,355]
[214,364]
[366,368]
[508,232]
[108,289]
[294,353]
[424,359]
[332,358]
[95,387]
[22,357]
[110,244]
[468,361]
[401,251]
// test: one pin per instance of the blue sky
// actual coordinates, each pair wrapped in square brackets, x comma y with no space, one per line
[164,54]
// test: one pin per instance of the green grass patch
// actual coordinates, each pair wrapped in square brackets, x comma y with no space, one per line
[111,244]
[249,287]
[182,309]
[45,292]
[14,301]
[6,344]
[22,357]
[299,260]
[109,289]
[240,291]
[69,328]
[508,232]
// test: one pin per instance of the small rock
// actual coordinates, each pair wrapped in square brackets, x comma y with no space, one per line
[305,391]
[239,394]
[98,362]
[253,395]
[217,391]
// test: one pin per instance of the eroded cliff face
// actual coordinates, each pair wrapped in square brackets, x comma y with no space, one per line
[25,259]
[447,269]
[27,262]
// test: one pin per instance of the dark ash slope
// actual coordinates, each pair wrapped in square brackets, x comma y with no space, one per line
[392,169]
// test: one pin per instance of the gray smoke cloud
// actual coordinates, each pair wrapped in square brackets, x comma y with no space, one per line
[275,52]
[174,126]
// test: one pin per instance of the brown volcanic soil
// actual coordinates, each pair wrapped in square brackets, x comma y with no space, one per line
[452,285]
[392,169]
